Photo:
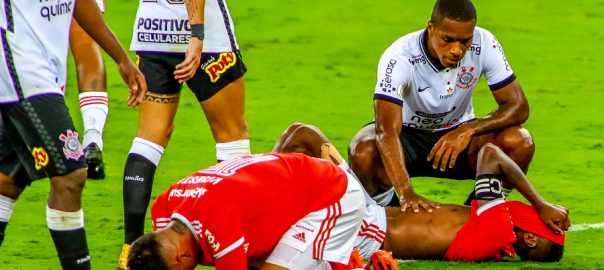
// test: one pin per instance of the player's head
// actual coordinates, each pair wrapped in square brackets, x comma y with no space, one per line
[146,253]
[450,30]
[532,247]
[164,249]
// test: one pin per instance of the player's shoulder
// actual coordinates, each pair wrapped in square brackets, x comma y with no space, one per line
[483,36]
[406,46]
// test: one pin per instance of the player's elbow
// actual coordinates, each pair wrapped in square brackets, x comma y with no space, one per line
[522,112]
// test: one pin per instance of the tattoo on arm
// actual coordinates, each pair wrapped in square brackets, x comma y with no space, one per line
[195,9]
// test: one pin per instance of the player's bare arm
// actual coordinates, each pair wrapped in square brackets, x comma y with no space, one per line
[186,70]
[88,15]
[388,124]
[493,161]
[512,110]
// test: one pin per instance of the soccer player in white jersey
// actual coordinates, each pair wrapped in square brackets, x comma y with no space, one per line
[424,119]
[177,43]
[92,86]
[38,138]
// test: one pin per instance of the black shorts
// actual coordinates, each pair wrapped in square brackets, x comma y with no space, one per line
[38,140]
[417,145]
[216,71]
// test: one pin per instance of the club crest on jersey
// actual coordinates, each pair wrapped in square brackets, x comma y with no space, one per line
[466,78]
[40,156]
[224,62]
[71,147]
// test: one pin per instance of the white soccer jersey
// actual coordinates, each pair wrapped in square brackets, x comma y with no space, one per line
[163,26]
[434,97]
[34,39]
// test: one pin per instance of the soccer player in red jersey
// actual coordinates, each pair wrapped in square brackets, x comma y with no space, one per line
[269,211]
[488,230]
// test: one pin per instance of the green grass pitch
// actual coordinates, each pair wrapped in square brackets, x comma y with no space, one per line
[315,62]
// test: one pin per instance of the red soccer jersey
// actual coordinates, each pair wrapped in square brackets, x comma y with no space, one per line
[485,237]
[240,208]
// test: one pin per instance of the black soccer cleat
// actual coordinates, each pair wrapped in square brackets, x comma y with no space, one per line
[94,159]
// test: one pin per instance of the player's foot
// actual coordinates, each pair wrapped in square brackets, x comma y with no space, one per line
[121,262]
[381,260]
[94,159]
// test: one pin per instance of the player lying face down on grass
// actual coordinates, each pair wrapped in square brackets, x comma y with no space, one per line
[487,230]
[266,211]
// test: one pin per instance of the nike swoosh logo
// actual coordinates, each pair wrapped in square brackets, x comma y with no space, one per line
[419,89]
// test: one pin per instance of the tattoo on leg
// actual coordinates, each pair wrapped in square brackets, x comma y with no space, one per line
[162,98]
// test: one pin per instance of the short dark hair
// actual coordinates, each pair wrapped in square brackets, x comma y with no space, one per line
[145,253]
[545,251]
[457,10]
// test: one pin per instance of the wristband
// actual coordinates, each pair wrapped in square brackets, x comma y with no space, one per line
[197,31]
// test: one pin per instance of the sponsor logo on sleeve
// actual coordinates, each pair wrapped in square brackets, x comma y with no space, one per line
[224,62]
[71,147]
[497,45]
[40,157]
[386,83]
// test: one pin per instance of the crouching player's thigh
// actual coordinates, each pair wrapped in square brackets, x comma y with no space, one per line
[324,235]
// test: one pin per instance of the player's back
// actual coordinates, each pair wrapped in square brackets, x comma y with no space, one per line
[263,194]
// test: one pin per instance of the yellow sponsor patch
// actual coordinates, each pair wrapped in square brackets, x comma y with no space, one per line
[40,156]
[224,62]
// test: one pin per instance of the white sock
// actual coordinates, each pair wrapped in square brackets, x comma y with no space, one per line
[232,149]
[64,221]
[147,149]
[94,107]
[6,208]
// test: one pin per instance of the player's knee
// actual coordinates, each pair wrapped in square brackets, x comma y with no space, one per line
[159,134]
[8,188]
[71,183]
[488,151]
[361,154]
[517,139]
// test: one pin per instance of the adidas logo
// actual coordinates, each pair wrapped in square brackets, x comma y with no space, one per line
[300,237]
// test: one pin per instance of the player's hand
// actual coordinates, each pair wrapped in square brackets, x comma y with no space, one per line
[446,150]
[186,70]
[411,200]
[555,217]
[135,80]
[381,260]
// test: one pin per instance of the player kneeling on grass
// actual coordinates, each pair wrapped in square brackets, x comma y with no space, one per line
[488,230]
[267,211]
